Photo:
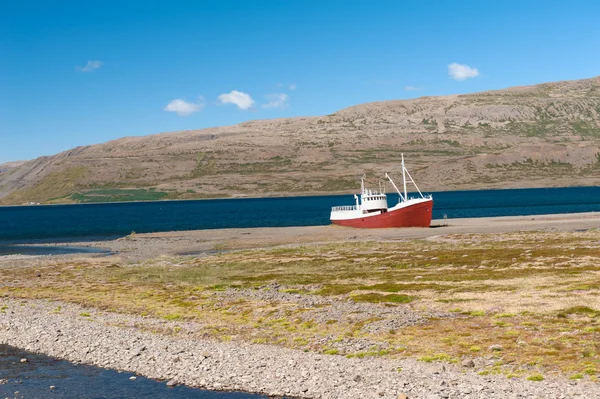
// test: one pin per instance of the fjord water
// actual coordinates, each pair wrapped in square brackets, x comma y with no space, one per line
[114,219]
[33,378]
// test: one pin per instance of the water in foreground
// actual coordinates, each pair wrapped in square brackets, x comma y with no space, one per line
[47,250]
[32,380]
[102,220]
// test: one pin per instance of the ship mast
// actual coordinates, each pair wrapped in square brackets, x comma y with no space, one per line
[404,177]
[405,172]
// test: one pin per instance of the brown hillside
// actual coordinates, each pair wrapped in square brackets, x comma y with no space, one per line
[542,135]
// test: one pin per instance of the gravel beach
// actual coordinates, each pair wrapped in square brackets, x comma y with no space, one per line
[116,341]
[138,344]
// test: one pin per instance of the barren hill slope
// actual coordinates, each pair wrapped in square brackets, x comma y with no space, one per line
[542,135]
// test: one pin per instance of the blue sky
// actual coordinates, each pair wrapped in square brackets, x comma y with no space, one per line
[83,72]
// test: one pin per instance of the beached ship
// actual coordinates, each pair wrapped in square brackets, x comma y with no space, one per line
[371,208]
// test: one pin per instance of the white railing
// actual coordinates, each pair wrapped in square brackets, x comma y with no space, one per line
[344,208]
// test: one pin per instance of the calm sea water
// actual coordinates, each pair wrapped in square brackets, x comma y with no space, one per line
[77,221]
[32,380]
[47,250]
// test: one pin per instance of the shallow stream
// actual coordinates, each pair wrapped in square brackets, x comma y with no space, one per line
[43,377]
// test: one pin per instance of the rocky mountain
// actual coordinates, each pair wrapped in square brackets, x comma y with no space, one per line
[5,167]
[534,136]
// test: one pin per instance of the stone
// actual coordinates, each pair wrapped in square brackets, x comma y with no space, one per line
[171,383]
[468,363]
[133,378]
[23,360]
[236,367]
[52,387]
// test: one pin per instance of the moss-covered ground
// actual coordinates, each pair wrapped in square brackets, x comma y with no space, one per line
[525,302]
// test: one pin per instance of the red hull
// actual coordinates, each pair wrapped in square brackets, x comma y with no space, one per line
[418,215]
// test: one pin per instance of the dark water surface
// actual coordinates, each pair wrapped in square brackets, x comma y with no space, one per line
[47,250]
[32,380]
[77,221]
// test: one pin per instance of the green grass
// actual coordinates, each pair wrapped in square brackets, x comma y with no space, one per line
[438,357]
[116,194]
[378,298]
[536,377]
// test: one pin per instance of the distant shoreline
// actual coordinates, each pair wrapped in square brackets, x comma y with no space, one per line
[298,195]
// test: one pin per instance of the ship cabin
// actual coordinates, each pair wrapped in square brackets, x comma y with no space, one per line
[373,202]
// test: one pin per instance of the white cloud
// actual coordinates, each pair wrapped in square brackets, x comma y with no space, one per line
[242,100]
[90,66]
[412,88]
[293,86]
[461,71]
[183,108]
[276,100]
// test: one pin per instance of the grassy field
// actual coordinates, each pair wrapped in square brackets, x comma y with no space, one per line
[116,194]
[527,303]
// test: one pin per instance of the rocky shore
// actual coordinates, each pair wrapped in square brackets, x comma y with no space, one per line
[122,342]
[138,247]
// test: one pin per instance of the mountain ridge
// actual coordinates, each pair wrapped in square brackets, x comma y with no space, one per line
[541,135]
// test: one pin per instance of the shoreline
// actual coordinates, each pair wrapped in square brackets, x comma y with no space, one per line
[208,241]
[283,195]
[116,341]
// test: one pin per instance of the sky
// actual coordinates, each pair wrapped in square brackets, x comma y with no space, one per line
[83,72]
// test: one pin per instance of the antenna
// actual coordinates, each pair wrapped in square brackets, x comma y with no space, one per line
[362,184]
